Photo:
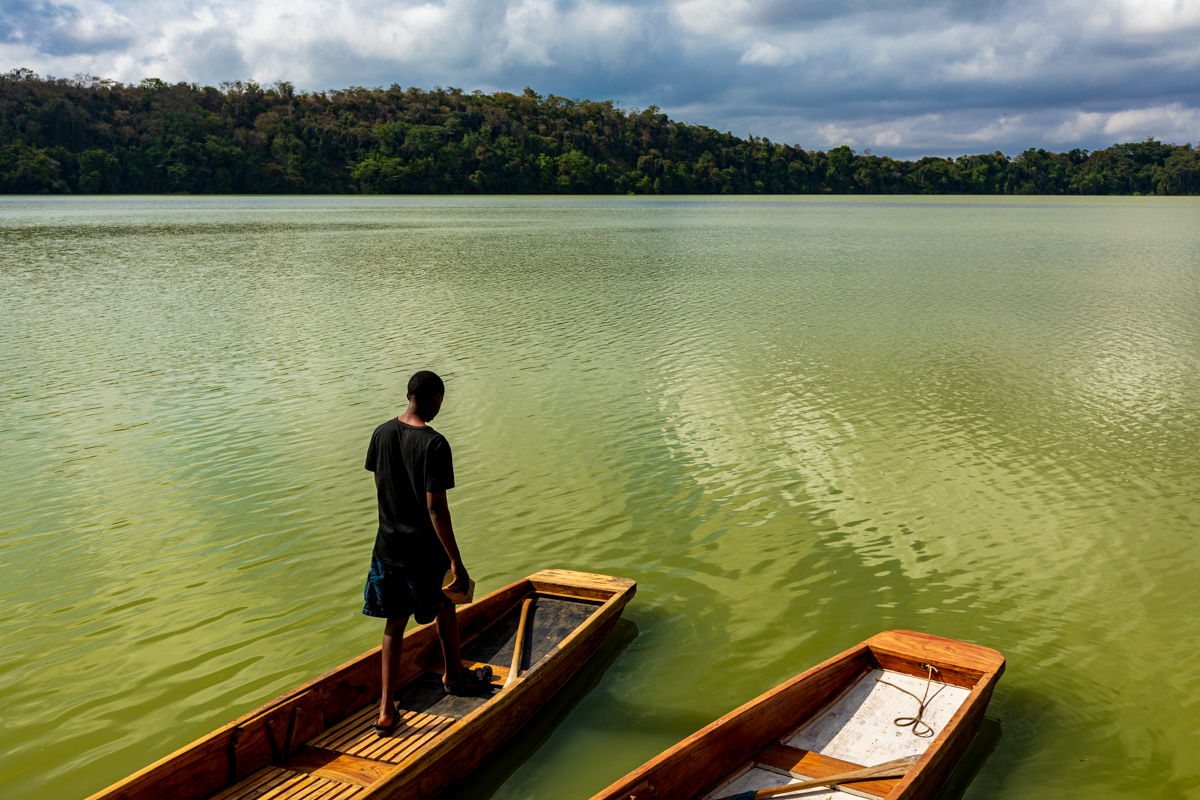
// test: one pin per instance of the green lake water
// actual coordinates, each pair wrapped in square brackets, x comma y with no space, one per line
[795,422]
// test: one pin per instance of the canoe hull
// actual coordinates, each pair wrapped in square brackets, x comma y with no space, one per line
[757,732]
[273,733]
[428,774]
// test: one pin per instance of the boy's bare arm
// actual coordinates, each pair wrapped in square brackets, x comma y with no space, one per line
[439,514]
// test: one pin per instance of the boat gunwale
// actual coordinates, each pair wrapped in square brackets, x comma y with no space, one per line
[585,586]
[429,755]
[986,663]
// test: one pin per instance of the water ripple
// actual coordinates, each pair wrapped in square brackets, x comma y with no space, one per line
[794,422]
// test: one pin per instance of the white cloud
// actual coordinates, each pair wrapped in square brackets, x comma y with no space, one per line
[1157,16]
[888,137]
[1142,122]
[1173,122]
[834,135]
[1079,126]
[910,76]
[722,18]
[526,26]
[996,129]
[765,54]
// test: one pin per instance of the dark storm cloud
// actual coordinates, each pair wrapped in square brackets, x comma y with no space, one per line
[20,19]
[784,14]
[898,76]
[56,29]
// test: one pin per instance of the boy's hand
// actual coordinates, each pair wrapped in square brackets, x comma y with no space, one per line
[461,579]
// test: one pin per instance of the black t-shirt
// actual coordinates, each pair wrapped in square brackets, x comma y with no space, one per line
[408,462]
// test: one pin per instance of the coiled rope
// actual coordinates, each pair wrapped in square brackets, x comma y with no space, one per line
[916,723]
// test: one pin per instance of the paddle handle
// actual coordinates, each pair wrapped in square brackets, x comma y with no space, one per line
[890,769]
[518,646]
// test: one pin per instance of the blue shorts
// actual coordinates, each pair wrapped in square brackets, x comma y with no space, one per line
[393,592]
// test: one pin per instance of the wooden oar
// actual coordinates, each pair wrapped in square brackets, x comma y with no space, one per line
[515,669]
[891,769]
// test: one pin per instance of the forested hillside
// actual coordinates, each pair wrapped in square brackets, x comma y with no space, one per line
[88,135]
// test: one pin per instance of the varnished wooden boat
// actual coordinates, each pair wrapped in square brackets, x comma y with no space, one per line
[833,719]
[317,743]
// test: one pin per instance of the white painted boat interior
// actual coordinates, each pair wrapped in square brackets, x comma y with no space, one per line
[859,725]
[755,778]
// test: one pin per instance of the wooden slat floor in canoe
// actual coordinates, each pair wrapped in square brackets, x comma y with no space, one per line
[342,761]
[356,736]
[270,783]
[345,759]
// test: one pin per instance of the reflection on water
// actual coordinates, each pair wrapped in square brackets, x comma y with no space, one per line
[981,747]
[794,423]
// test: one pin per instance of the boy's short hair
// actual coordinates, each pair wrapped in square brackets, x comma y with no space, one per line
[425,385]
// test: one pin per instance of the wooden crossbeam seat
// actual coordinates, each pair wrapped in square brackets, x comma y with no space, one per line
[807,765]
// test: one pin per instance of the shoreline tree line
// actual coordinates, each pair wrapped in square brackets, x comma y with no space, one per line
[88,135]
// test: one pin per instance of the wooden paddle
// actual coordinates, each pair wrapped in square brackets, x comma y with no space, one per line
[518,647]
[891,769]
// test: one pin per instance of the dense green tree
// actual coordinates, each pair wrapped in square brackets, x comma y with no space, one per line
[27,169]
[94,136]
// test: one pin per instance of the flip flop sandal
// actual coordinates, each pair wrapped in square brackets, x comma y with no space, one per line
[384,731]
[472,682]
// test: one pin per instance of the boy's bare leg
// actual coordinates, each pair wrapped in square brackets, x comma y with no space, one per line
[447,628]
[393,644]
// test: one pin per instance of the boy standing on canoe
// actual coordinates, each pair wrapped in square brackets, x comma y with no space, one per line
[415,544]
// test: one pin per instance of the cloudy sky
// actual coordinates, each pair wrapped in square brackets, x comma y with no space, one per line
[901,77]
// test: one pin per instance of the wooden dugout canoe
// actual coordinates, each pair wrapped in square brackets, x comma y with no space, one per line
[832,719]
[317,741]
